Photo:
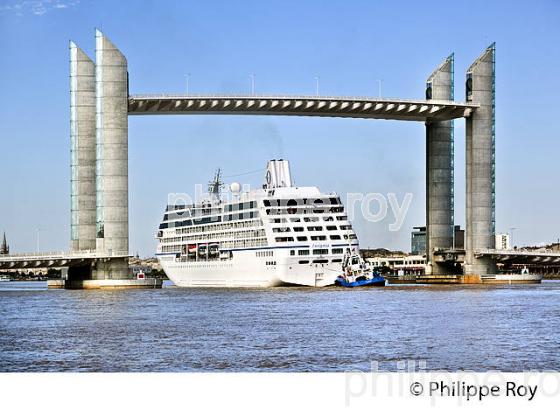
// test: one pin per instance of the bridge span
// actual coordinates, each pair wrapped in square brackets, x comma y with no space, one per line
[520,256]
[505,256]
[56,259]
[312,106]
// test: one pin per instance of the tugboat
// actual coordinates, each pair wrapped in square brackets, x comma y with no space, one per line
[357,272]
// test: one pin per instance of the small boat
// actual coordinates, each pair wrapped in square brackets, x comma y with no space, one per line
[512,277]
[377,280]
[356,272]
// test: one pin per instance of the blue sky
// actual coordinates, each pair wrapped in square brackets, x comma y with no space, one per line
[286,44]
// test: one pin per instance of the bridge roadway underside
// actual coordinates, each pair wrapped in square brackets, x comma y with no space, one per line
[367,108]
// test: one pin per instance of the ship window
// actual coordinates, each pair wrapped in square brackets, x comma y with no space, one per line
[335,237]
[303,252]
[342,218]
[298,228]
[337,251]
[336,261]
[303,262]
[302,238]
[295,219]
[320,251]
[314,228]
[266,203]
[276,230]
[292,252]
[331,228]
[321,261]
[328,219]
[319,238]
[284,239]
[311,219]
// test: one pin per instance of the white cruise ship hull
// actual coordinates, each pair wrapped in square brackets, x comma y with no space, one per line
[245,270]
[276,235]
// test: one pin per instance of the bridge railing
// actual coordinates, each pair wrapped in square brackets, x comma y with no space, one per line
[62,255]
[517,252]
[295,97]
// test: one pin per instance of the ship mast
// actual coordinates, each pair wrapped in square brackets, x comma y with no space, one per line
[215,186]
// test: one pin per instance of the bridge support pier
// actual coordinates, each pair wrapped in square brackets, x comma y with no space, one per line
[82,146]
[480,158]
[112,157]
[111,269]
[439,171]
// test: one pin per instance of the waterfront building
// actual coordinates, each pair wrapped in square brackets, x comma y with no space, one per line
[401,265]
[458,238]
[418,240]
[503,242]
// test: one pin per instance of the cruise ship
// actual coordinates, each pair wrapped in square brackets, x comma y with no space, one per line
[277,235]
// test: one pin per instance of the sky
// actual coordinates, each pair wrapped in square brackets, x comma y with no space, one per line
[352,46]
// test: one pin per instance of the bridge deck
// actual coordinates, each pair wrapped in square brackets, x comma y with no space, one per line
[314,106]
[512,256]
[55,259]
[520,256]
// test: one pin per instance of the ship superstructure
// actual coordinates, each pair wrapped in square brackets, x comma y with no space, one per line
[277,235]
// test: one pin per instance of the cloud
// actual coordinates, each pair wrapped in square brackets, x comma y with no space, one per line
[36,7]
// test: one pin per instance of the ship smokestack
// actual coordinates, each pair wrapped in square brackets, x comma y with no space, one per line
[278,174]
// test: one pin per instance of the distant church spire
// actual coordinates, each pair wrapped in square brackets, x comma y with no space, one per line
[4,249]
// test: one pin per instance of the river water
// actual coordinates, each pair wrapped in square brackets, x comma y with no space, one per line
[477,328]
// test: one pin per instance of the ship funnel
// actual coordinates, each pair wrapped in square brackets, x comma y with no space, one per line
[278,174]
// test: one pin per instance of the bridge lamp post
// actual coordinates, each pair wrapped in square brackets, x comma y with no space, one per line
[317,78]
[511,236]
[37,231]
[252,76]
[188,77]
[379,87]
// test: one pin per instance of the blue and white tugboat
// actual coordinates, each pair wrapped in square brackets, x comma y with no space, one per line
[356,272]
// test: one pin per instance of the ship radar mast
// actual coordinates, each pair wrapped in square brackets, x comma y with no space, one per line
[215,186]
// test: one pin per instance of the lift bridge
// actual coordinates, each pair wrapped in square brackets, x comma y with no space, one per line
[100,105]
